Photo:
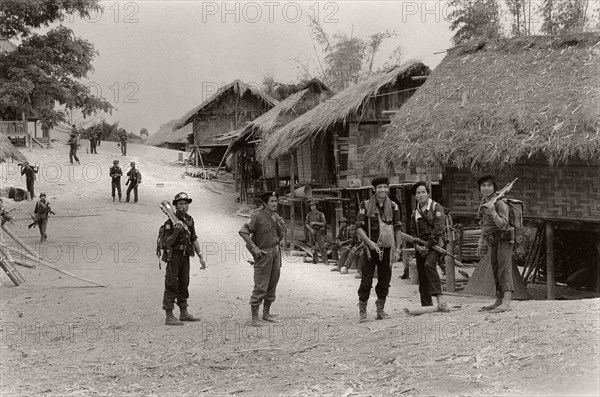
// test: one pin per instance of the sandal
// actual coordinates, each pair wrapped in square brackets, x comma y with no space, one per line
[444,307]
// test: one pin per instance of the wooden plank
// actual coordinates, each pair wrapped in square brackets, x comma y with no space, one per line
[550,283]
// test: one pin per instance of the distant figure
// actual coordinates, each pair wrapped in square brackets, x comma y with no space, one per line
[315,223]
[41,212]
[29,173]
[92,138]
[135,178]
[115,175]
[98,135]
[123,140]
[73,142]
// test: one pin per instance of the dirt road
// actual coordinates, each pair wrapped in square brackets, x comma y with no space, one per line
[61,336]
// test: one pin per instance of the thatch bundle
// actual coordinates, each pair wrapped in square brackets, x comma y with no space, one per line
[491,103]
[287,110]
[238,87]
[339,108]
[166,134]
[8,151]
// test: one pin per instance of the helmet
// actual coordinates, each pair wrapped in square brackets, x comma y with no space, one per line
[181,196]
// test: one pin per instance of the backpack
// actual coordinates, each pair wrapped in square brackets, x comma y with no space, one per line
[161,249]
[515,219]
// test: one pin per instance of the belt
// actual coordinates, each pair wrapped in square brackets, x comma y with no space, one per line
[269,248]
[493,235]
[180,247]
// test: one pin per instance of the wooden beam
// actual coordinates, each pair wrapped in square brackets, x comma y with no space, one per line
[450,276]
[550,284]
[598,265]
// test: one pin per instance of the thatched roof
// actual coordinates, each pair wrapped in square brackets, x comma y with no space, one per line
[338,108]
[288,109]
[166,134]
[238,87]
[8,151]
[491,103]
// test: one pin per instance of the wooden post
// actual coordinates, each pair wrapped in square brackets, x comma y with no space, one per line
[264,176]
[450,275]
[598,266]
[26,131]
[550,287]
[292,223]
[302,219]
[277,182]
[292,173]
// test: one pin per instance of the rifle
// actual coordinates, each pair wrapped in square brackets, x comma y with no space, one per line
[501,193]
[437,248]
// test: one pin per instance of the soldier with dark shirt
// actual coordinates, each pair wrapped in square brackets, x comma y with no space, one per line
[41,211]
[92,138]
[29,172]
[181,242]
[115,175]
[377,220]
[135,178]
[263,235]
[123,142]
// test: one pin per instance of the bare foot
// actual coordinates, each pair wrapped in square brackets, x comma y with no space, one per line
[492,306]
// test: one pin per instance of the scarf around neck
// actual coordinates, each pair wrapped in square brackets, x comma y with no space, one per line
[372,210]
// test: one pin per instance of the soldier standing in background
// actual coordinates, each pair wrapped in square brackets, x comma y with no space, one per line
[315,223]
[135,178]
[123,140]
[115,175]
[29,172]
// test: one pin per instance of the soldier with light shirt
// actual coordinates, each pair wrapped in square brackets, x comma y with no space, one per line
[263,235]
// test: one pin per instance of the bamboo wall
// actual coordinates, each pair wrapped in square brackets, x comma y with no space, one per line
[569,193]
[220,117]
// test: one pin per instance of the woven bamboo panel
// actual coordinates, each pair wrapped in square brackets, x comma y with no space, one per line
[560,193]
[304,164]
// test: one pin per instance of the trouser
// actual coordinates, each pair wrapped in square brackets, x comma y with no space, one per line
[266,276]
[429,279]
[93,146]
[98,141]
[177,280]
[501,258]
[73,154]
[347,258]
[116,186]
[384,274]
[30,183]
[317,241]
[132,186]
[42,226]
[124,148]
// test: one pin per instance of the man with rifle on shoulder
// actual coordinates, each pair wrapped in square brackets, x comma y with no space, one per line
[181,242]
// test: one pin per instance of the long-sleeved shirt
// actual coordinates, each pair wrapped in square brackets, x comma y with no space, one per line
[428,223]
[488,225]
[116,173]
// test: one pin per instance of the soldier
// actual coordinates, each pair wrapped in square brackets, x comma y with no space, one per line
[181,242]
[98,131]
[29,172]
[115,174]
[92,138]
[496,237]
[123,140]
[427,223]
[41,211]
[262,235]
[378,218]
[135,178]
[73,143]
[315,223]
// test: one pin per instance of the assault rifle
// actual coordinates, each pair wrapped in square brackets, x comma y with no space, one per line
[166,207]
[500,195]
[437,248]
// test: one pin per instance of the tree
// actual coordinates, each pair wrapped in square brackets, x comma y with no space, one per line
[43,73]
[344,59]
[517,8]
[278,90]
[474,19]
[144,132]
[565,16]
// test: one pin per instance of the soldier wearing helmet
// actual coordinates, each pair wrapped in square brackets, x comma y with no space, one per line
[181,241]
[115,175]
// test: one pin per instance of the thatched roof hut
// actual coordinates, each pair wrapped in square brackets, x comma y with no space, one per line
[313,93]
[237,87]
[166,136]
[491,103]
[8,151]
[338,109]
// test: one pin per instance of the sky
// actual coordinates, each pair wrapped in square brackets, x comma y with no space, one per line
[159,59]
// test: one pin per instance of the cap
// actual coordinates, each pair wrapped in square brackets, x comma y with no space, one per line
[311,202]
[343,219]
[42,194]
[380,180]
[132,163]
[181,196]
[116,162]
